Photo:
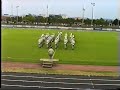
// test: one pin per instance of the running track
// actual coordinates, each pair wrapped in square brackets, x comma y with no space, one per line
[23,80]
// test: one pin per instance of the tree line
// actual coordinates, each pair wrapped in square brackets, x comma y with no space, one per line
[58,20]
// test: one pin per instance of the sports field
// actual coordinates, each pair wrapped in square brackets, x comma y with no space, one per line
[92,48]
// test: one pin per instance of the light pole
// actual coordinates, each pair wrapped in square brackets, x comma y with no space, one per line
[83,15]
[11,12]
[17,13]
[47,16]
[1,9]
[118,13]
[93,4]
[118,22]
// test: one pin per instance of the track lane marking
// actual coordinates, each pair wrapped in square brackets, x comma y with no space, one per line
[108,84]
[58,82]
[61,88]
[18,85]
[44,82]
[91,82]
[59,78]
[35,86]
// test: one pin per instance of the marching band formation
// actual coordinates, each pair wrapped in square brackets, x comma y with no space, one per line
[48,39]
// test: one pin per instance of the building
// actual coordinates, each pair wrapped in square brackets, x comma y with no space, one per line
[4,17]
[77,18]
[64,16]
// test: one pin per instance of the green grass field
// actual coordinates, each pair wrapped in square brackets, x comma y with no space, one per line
[92,48]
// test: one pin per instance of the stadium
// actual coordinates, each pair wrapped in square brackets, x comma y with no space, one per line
[88,59]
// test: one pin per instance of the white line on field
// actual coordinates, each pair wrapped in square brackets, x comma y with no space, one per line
[59,78]
[26,58]
[35,86]
[17,58]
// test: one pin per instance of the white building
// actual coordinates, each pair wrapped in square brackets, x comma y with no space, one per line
[64,16]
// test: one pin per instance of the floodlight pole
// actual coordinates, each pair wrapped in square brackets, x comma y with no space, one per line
[118,14]
[83,15]
[1,9]
[93,4]
[47,16]
[11,12]
[118,22]
[17,13]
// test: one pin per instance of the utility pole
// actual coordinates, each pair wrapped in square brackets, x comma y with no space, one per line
[93,4]
[17,13]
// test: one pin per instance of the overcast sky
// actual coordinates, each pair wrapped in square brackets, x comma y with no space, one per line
[73,8]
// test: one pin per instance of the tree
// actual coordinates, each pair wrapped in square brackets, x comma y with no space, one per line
[40,19]
[29,18]
[19,19]
[101,21]
[87,21]
[8,19]
[115,22]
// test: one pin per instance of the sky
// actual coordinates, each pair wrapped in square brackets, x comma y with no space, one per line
[107,9]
